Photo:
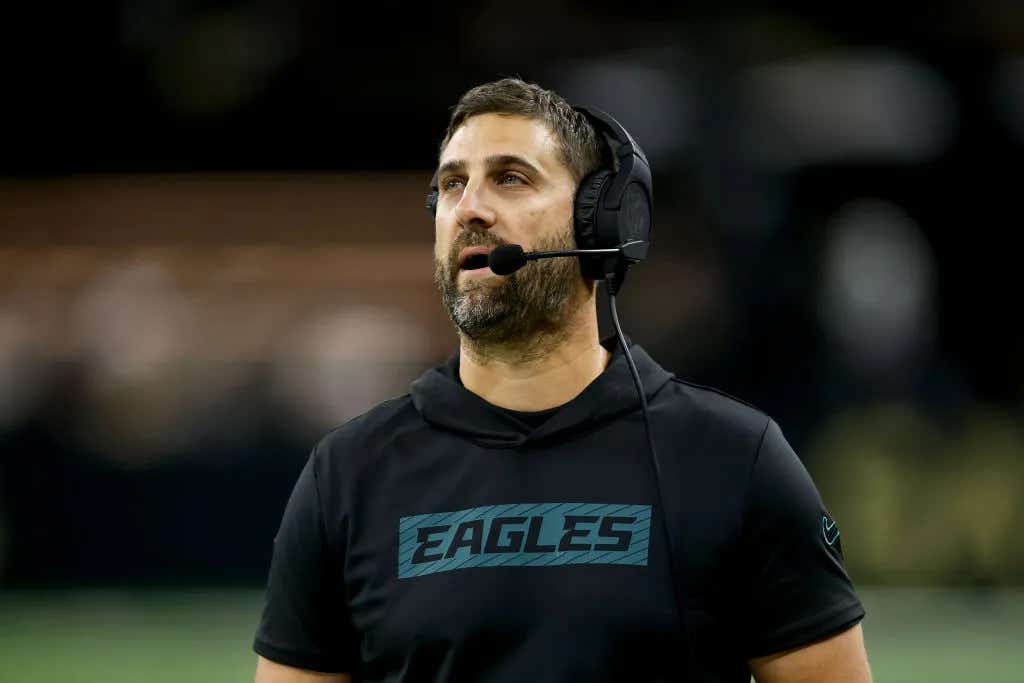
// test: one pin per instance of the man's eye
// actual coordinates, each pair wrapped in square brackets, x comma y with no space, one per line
[450,183]
[510,179]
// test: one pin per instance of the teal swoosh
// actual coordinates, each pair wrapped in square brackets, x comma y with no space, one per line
[826,530]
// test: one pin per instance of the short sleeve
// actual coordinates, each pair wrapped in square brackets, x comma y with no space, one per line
[795,589]
[306,622]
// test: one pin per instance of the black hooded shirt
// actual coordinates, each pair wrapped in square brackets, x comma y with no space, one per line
[438,537]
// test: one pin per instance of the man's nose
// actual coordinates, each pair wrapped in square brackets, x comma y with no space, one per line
[474,210]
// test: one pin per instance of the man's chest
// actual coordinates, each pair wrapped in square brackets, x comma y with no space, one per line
[456,556]
[576,584]
[514,563]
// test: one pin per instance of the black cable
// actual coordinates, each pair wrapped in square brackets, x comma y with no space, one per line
[671,547]
[639,386]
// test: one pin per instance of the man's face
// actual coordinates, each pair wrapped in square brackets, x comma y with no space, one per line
[501,181]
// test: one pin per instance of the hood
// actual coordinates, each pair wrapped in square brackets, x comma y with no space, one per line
[444,402]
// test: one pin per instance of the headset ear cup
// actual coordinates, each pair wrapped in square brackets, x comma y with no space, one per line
[585,208]
[588,197]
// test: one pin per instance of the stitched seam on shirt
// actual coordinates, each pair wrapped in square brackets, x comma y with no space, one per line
[750,476]
[320,503]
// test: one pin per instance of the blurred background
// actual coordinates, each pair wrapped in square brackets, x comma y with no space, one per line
[213,249]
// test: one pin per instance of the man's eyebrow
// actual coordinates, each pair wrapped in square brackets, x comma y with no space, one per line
[510,160]
[493,161]
[451,166]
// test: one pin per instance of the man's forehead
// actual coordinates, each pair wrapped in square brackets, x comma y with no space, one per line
[487,135]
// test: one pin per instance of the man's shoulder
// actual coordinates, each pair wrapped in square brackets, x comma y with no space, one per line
[371,429]
[710,409]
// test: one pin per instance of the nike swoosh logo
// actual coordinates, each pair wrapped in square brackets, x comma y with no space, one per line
[829,530]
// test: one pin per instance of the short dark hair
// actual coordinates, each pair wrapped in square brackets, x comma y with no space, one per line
[580,146]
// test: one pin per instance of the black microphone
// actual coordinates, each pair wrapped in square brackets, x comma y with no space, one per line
[508,258]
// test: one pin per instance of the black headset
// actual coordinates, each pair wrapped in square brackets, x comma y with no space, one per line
[612,206]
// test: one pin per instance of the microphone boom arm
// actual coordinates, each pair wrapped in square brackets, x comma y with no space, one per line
[508,258]
[532,255]
[633,250]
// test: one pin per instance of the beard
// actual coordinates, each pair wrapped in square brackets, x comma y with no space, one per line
[511,311]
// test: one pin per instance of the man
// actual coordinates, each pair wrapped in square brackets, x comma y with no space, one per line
[499,522]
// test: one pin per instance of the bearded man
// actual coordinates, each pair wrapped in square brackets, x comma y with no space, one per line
[501,523]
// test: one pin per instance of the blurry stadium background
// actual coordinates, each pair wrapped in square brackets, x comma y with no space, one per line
[213,249]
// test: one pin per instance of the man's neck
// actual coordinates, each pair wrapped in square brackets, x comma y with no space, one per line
[550,371]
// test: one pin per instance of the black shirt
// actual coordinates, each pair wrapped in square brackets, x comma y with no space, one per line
[439,538]
[531,418]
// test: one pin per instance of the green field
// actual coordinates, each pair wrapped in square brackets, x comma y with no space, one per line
[197,636]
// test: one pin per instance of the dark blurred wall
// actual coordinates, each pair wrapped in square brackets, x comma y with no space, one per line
[213,248]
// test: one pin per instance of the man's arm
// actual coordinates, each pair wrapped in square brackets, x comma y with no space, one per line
[268,671]
[306,622]
[837,659]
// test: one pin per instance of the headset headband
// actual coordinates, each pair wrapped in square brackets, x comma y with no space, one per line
[626,150]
